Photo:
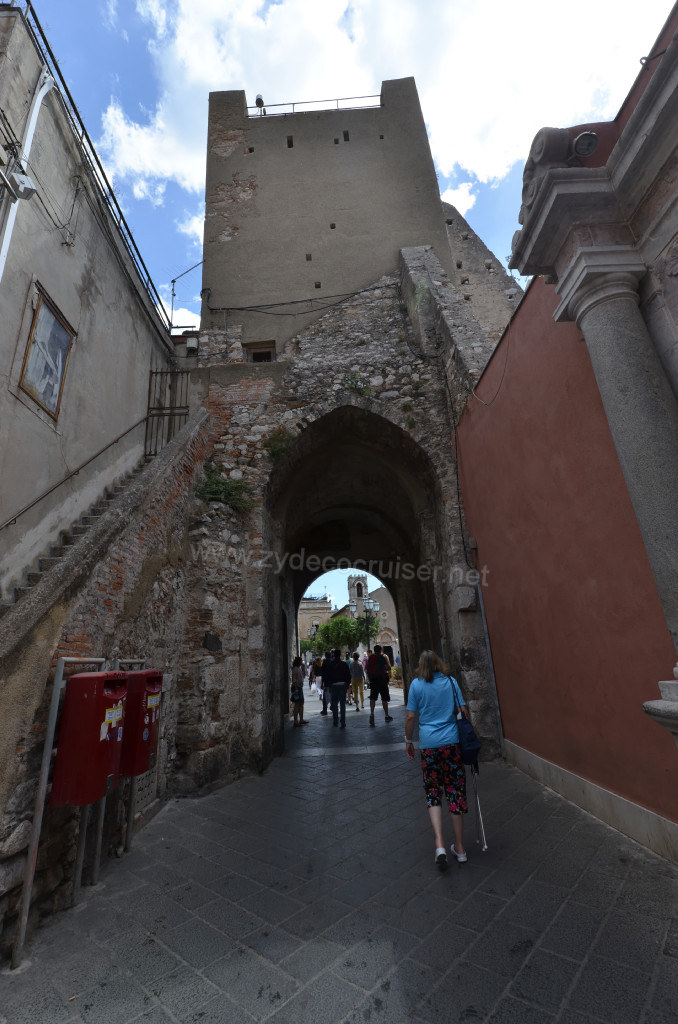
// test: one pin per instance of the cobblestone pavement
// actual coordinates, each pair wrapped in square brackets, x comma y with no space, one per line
[309,895]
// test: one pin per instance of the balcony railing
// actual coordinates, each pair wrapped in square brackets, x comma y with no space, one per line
[350,103]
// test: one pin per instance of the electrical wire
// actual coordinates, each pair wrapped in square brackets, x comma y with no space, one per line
[268,309]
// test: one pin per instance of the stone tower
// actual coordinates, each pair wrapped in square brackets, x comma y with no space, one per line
[357,590]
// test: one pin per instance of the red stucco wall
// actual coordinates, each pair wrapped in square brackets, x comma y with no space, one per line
[577,630]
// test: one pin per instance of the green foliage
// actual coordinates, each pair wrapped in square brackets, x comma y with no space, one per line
[374,627]
[215,487]
[396,672]
[308,646]
[410,423]
[407,407]
[278,443]
[339,633]
[358,383]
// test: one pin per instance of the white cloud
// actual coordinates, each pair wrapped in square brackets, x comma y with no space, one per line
[193,226]
[489,74]
[460,197]
[153,191]
[155,12]
[184,319]
[109,14]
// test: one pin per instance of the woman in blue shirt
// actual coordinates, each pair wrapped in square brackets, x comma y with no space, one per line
[432,697]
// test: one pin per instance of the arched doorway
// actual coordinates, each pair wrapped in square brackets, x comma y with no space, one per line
[357,491]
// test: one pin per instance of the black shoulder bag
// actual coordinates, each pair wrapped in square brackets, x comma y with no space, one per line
[469,743]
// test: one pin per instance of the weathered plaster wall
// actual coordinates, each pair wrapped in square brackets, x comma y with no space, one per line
[350,204]
[577,630]
[88,275]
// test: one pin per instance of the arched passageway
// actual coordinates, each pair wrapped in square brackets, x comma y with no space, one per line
[357,491]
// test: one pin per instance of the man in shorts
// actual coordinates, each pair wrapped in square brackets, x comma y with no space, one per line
[379,673]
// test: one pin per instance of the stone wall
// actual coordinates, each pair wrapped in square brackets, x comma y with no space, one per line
[119,594]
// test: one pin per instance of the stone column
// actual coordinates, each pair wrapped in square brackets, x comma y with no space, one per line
[642,414]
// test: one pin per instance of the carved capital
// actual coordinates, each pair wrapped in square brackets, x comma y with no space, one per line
[598,274]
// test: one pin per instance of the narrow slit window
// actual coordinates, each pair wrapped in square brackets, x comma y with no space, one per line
[317,284]
[290,141]
[345,136]
[381,136]
[336,142]
[309,257]
[333,226]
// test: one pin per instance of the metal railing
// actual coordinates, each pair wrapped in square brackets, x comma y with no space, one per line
[12,519]
[167,407]
[311,105]
[92,161]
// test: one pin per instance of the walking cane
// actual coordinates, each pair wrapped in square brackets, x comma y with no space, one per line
[480,828]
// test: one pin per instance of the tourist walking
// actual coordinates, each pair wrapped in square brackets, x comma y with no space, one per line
[297,692]
[379,673]
[357,681]
[325,680]
[340,680]
[316,677]
[434,697]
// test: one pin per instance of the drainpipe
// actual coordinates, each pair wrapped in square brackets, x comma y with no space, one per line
[45,83]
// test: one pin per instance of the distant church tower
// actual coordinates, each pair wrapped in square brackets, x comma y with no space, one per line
[357,590]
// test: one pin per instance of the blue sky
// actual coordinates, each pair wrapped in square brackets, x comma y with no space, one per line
[489,75]
[333,584]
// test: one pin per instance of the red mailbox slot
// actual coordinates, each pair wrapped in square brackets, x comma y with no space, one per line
[142,720]
[90,738]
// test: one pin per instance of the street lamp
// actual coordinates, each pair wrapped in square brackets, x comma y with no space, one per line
[370,608]
[312,631]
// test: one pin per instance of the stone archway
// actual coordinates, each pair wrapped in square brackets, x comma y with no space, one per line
[357,490]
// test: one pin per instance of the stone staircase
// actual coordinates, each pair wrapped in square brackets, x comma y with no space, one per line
[68,538]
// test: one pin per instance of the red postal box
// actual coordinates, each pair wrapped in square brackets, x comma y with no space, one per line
[90,738]
[142,720]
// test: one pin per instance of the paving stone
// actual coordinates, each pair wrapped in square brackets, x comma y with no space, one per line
[182,991]
[219,1011]
[597,890]
[395,997]
[198,943]
[632,939]
[573,931]
[311,959]
[272,943]
[465,993]
[146,960]
[329,999]
[478,910]
[515,1011]
[502,948]
[257,986]
[313,920]
[502,939]
[230,918]
[544,980]
[535,905]
[610,991]
[115,1001]
[665,996]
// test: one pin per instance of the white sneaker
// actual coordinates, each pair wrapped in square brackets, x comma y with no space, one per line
[441,858]
[461,857]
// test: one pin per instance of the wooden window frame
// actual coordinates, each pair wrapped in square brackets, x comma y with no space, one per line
[45,306]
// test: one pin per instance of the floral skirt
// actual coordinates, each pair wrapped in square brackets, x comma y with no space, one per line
[444,773]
